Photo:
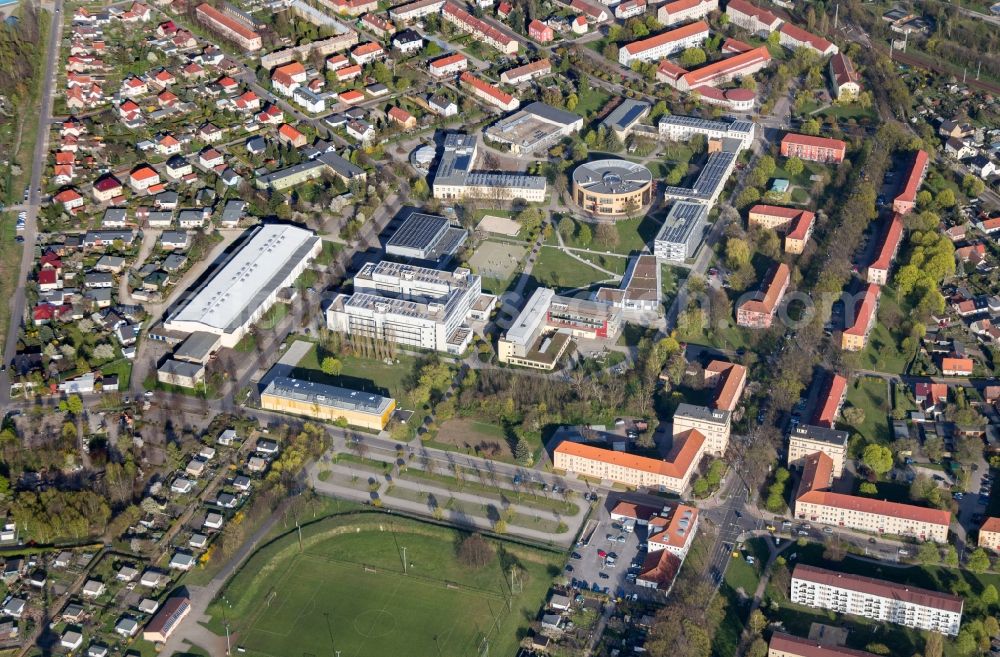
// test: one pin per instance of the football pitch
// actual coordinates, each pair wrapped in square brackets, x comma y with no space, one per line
[348,594]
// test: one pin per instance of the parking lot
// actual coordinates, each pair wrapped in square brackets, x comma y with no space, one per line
[611,564]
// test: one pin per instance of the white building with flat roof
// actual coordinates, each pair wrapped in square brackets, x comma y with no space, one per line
[682,128]
[408,305]
[247,285]
[878,599]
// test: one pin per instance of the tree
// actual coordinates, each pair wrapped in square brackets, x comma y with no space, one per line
[757,621]
[978,561]
[475,551]
[74,404]
[584,235]
[868,488]
[522,452]
[794,166]
[877,458]
[945,198]
[566,227]
[990,596]
[693,57]
[928,553]
[737,253]
[854,416]
[332,366]
[607,235]
[972,186]
[934,645]
[810,127]
[759,647]
[747,197]
[950,555]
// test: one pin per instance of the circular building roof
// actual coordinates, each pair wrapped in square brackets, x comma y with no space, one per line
[612,176]
[738,95]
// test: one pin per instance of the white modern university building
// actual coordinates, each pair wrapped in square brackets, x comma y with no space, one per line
[455,178]
[247,285]
[681,232]
[682,128]
[412,306]
[878,599]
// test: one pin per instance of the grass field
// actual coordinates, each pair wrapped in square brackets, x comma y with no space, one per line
[870,395]
[346,592]
[10,264]
[361,373]
[556,269]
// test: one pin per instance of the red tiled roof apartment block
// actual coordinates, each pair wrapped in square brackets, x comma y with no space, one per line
[479,28]
[591,11]
[402,117]
[725,70]
[907,198]
[229,27]
[679,11]
[729,379]
[786,645]
[878,599]
[673,529]
[815,503]
[855,336]
[878,271]
[752,18]
[415,10]
[489,93]
[814,149]
[665,44]
[989,535]
[527,72]
[658,571]
[957,366]
[831,401]
[796,224]
[630,8]
[846,83]
[448,65]
[672,474]
[759,313]
[793,36]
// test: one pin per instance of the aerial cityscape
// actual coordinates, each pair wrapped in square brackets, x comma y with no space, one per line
[517,328]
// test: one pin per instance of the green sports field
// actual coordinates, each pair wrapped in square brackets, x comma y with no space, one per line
[346,591]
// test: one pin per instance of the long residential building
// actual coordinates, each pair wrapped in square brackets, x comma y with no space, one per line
[907,198]
[808,439]
[415,10]
[729,379]
[725,70]
[715,424]
[855,336]
[759,313]
[680,11]
[846,82]
[814,149]
[247,285]
[229,27]
[878,271]
[793,36]
[752,18]
[830,401]
[814,502]
[786,645]
[536,69]
[795,224]
[488,92]
[456,179]
[877,599]
[663,45]
[672,474]
[480,29]
[408,305]
[326,402]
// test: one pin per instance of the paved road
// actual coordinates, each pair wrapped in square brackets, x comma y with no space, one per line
[30,233]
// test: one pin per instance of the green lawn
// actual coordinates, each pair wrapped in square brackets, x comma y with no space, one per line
[346,591]
[123,368]
[613,263]
[633,235]
[594,99]
[730,336]
[361,373]
[844,112]
[869,394]
[558,270]
[10,263]
[883,353]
